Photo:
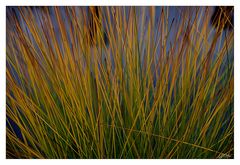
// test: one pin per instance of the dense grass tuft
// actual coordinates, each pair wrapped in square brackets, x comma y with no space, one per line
[122,82]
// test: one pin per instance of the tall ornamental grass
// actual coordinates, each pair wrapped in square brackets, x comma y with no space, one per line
[119,82]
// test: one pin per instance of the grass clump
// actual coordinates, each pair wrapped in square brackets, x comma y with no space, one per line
[118,82]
